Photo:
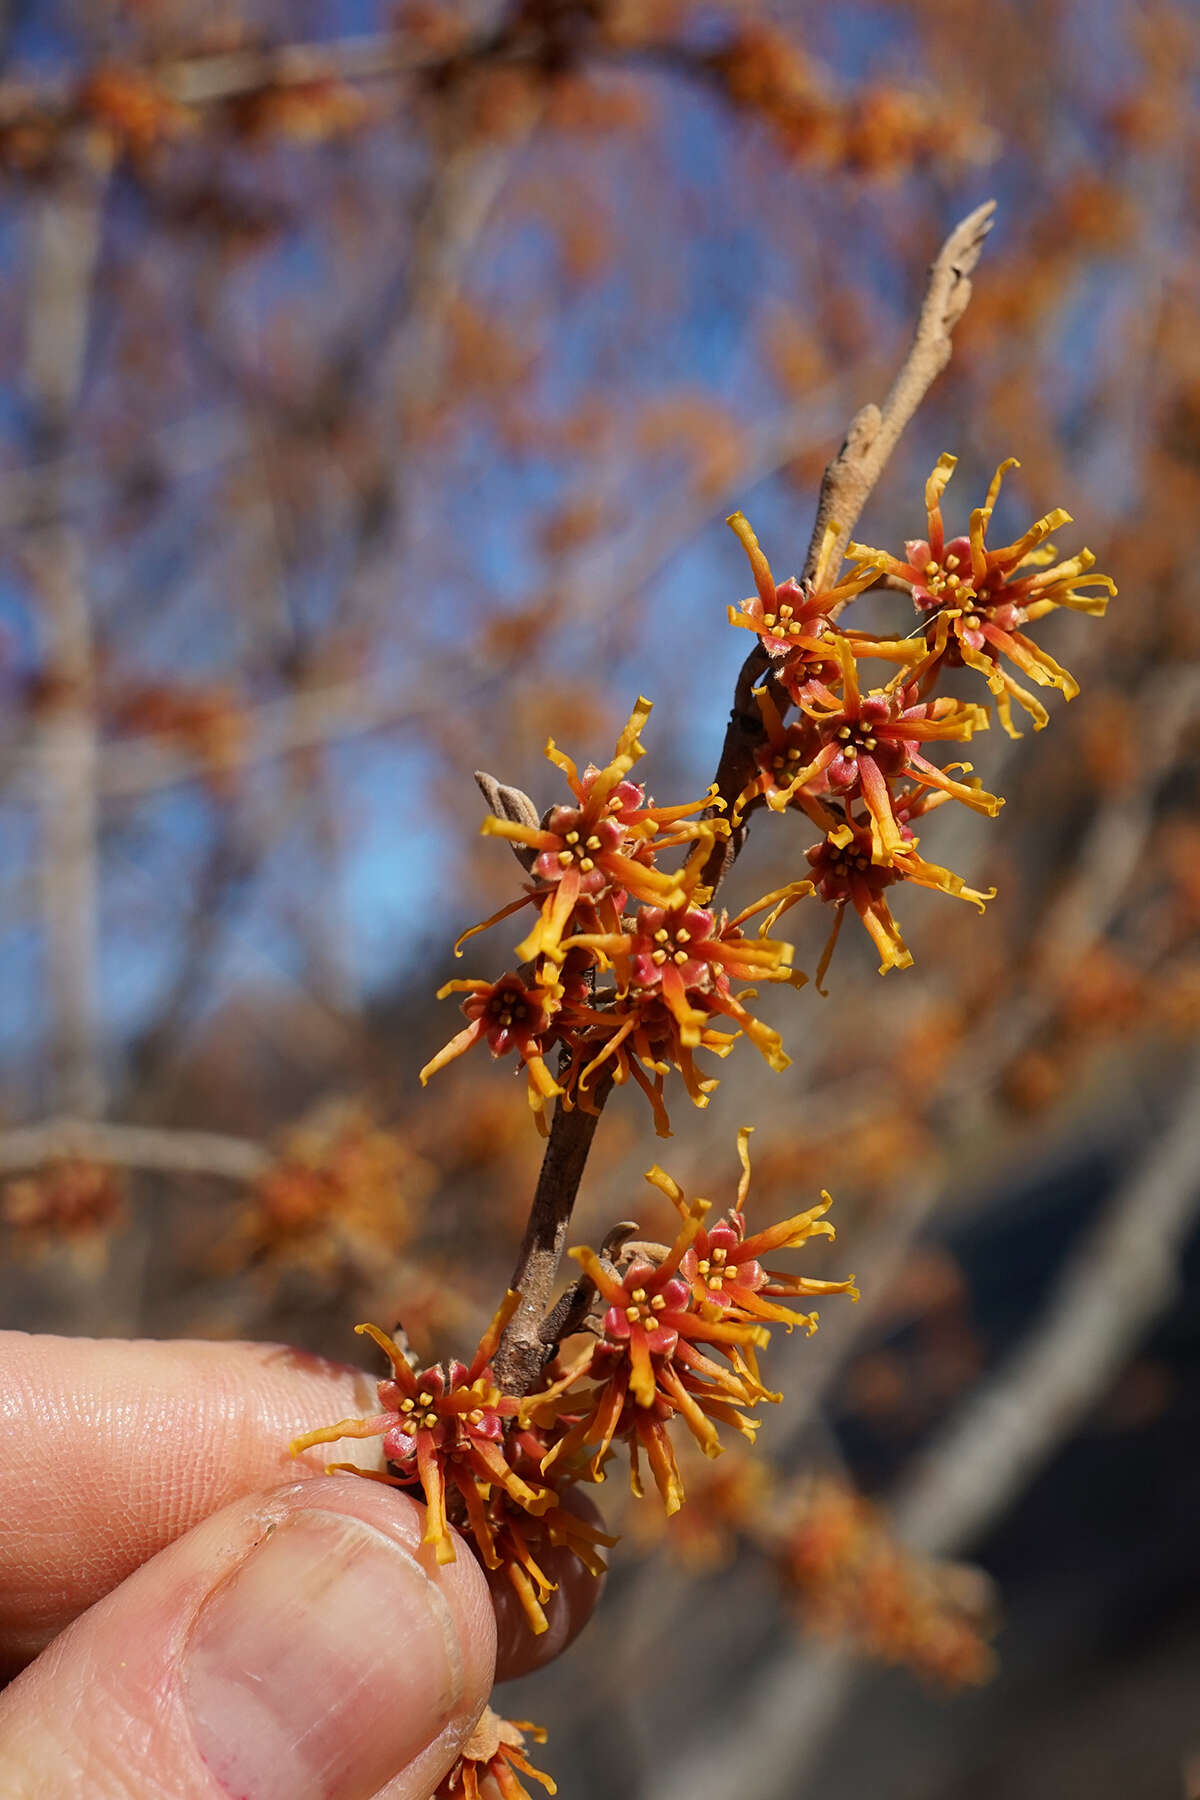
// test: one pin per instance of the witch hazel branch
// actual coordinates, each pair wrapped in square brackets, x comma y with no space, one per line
[630,973]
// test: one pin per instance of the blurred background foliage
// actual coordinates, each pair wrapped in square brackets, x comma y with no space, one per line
[376,382]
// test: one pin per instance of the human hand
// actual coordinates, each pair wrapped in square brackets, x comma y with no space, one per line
[193,1629]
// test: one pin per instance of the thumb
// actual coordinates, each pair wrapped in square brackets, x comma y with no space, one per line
[299,1645]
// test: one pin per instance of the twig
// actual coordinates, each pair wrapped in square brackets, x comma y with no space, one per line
[873,433]
[845,486]
[523,1353]
[847,482]
[133,1147]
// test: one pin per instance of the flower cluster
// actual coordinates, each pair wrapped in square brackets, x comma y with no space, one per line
[626,971]
[850,1578]
[973,601]
[676,1335]
[854,758]
[673,1331]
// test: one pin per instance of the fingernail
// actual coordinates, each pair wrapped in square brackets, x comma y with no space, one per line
[323,1666]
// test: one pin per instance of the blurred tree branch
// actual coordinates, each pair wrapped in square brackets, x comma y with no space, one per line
[67,247]
[1114,1285]
[133,1147]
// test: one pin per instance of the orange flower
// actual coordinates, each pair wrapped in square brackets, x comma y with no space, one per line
[792,621]
[509,1014]
[844,874]
[444,1424]
[341,1187]
[780,758]
[638,1038]
[689,959]
[667,1315]
[861,744]
[724,1267]
[507,1537]
[648,1369]
[855,1581]
[600,850]
[69,1201]
[976,600]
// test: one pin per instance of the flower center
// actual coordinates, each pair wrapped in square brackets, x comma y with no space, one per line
[714,1271]
[946,584]
[506,1010]
[785,763]
[671,945]
[428,1419]
[846,861]
[853,739]
[642,1312]
[783,623]
[580,850]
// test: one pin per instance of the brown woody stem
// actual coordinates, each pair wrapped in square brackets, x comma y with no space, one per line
[847,482]
[523,1353]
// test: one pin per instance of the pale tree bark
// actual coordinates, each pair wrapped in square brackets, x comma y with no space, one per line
[66,247]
